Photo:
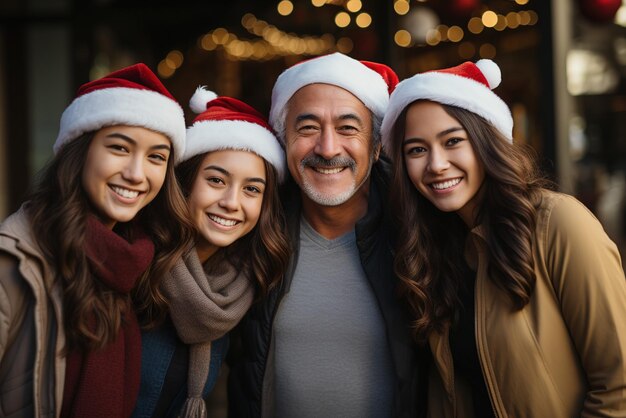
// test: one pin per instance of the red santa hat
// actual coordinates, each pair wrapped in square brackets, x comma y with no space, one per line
[370,82]
[228,123]
[467,86]
[132,96]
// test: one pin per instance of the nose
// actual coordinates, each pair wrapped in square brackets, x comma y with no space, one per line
[438,161]
[327,145]
[230,199]
[134,171]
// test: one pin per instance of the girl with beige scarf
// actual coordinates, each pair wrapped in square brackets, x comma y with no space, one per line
[229,174]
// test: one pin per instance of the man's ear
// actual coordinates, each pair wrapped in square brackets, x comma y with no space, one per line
[379,147]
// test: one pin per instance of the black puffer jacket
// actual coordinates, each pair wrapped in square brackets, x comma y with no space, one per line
[249,363]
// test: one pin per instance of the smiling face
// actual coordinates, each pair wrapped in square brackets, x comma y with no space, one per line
[441,161]
[124,171]
[328,137]
[226,198]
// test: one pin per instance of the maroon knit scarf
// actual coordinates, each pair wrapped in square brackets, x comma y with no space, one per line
[105,383]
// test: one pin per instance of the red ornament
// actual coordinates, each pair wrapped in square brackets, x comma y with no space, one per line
[600,11]
[463,8]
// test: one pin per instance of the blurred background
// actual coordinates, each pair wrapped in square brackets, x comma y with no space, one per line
[563,65]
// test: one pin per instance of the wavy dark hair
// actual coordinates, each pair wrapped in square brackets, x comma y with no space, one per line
[58,208]
[429,258]
[264,252]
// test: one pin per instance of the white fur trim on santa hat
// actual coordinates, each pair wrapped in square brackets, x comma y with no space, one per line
[214,135]
[336,69]
[449,89]
[123,106]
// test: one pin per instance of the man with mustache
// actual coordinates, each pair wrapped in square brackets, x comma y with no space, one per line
[331,340]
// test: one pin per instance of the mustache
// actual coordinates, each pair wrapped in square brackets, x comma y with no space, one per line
[317,161]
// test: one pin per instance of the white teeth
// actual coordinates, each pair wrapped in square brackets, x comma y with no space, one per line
[128,194]
[445,184]
[328,170]
[222,221]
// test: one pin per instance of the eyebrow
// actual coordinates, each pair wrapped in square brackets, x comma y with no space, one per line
[439,135]
[351,116]
[227,173]
[311,116]
[307,116]
[134,142]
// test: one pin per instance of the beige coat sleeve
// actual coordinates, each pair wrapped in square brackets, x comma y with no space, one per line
[12,288]
[6,306]
[588,278]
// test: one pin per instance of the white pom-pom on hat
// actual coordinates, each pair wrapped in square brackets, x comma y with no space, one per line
[200,98]
[491,71]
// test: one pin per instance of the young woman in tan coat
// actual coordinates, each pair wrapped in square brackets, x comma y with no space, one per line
[105,222]
[517,290]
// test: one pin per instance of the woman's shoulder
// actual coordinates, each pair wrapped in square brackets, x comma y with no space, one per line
[563,217]
[16,226]
[17,241]
[557,206]
[17,236]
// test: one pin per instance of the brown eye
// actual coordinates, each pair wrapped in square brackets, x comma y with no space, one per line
[215,180]
[415,150]
[454,141]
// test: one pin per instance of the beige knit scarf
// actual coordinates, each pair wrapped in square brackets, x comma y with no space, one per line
[206,301]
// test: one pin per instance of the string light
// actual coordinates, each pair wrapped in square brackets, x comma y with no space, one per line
[487,51]
[401,7]
[174,59]
[363,20]
[467,50]
[500,24]
[354,5]
[345,45]
[402,38]
[477,25]
[433,37]
[285,7]
[455,34]
[513,20]
[489,19]
[275,42]
[342,19]
[164,70]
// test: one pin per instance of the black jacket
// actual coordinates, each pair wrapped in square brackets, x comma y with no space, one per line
[245,383]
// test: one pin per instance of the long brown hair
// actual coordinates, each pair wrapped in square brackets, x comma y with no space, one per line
[264,252]
[429,257]
[58,209]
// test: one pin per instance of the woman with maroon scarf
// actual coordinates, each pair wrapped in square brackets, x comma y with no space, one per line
[104,222]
